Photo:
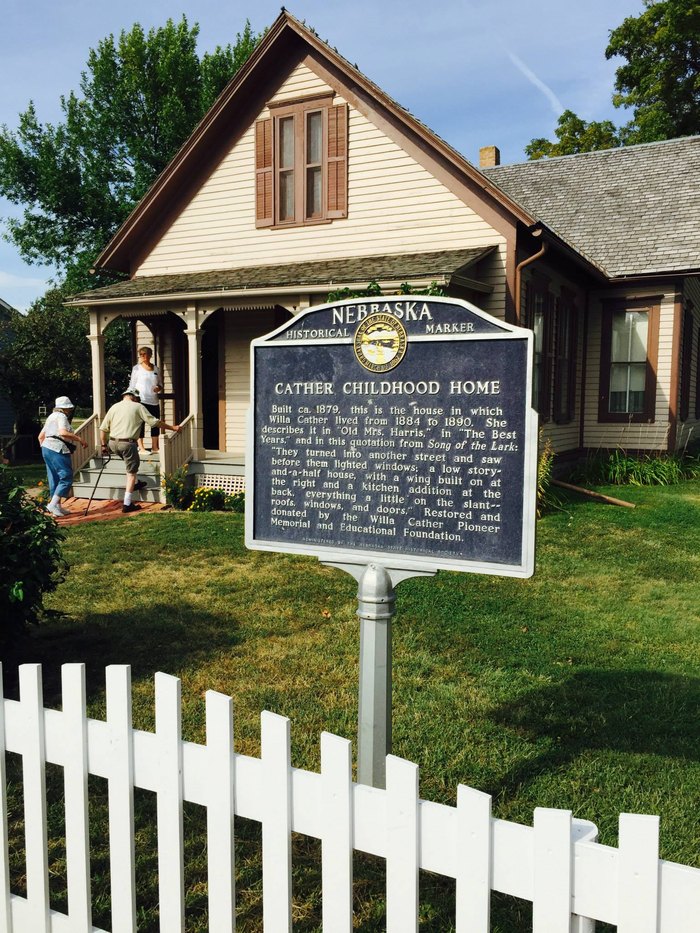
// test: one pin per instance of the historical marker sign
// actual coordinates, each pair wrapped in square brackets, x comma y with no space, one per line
[396,430]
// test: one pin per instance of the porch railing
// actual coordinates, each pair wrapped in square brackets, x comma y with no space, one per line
[176,449]
[88,431]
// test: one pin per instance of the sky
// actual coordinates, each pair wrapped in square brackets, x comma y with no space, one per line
[477,72]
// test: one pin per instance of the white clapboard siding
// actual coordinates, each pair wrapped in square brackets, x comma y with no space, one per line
[571,880]
[395,205]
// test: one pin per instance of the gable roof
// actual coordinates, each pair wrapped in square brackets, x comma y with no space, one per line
[286,41]
[631,211]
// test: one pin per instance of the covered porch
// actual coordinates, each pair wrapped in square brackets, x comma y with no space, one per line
[200,326]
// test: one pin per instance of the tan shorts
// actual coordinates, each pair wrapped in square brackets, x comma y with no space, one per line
[128,451]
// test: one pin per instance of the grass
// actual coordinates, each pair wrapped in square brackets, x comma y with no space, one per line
[578,688]
[29,473]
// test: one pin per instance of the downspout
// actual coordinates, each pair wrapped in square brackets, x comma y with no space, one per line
[518,274]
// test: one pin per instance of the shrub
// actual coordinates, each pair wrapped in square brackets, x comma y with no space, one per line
[207,499]
[178,489]
[619,468]
[236,502]
[545,498]
[31,561]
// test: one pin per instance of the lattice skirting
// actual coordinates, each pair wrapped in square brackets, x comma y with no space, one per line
[229,484]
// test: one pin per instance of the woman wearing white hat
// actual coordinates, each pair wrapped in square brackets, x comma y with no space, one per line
[56,453]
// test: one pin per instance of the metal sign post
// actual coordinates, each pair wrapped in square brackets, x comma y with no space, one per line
[393,437]
[376,601]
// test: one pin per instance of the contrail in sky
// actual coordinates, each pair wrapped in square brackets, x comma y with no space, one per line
[556,104]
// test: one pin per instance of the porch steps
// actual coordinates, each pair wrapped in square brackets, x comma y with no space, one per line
[113,480]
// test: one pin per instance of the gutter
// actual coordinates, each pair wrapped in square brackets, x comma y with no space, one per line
[268,291]
[518,274]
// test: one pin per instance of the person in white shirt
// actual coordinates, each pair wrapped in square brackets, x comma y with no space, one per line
[146,379]
[56,453]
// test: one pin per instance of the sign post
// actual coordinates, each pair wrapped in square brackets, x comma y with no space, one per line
[393,437]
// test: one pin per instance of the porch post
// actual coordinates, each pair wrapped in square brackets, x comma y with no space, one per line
[97,352]
[194,354]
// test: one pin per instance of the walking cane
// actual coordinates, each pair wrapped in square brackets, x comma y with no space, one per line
[99,477]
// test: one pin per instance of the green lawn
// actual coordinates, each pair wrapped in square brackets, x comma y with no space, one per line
[29,473]
[578,688]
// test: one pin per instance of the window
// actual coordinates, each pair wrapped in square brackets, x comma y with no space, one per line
[538,320]
[301,163]
[686,362]
[697,378]
[565,358]
[629,336]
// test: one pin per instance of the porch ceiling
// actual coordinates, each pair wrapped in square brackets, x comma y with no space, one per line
[331,273]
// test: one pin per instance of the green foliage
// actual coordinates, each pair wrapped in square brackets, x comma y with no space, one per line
[661,77]
[374,290]
[660,81]
[31,562]
[575,135]
[140,98]
[181,494]
[619,468]
[340,294]
[545,462]
[178,489]
[47,353]
[207,499]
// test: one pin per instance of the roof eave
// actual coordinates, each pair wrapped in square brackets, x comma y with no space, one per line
[267,291]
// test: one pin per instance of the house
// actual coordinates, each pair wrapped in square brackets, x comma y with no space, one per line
[305,177]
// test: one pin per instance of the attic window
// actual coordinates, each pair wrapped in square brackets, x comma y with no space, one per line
[301,163]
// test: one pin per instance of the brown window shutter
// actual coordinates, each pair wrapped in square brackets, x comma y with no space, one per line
[264,213]
[337,161]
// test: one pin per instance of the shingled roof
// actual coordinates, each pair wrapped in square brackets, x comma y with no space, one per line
[358,270]
[630,211]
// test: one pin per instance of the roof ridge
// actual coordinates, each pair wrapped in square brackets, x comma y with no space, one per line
[593,153]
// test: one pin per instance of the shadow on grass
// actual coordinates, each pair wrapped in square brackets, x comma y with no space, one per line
[160,639]
[637,712]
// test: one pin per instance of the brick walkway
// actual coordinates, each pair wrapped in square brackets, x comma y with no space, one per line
[101,510]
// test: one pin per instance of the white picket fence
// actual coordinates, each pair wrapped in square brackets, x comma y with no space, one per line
[555,864]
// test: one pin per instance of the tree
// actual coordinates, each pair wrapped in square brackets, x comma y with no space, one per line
[661,79]
[47,354]
[575,135]
[660,82]
[141,97]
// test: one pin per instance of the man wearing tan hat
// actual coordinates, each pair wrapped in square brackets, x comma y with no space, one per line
[123,425]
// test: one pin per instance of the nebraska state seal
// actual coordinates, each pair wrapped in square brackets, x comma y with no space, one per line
[380,342]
